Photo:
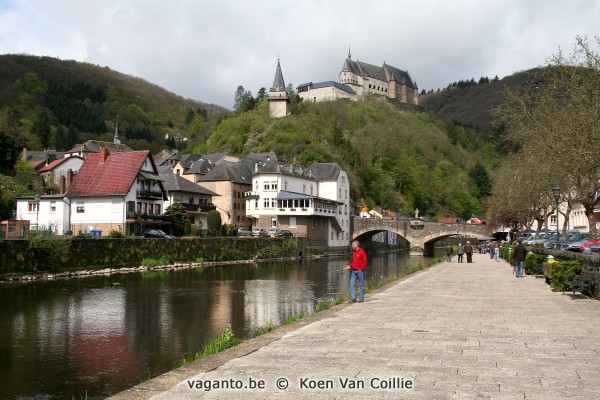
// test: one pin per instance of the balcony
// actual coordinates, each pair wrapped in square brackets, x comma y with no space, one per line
[250,195]
[149,194]
[146,217]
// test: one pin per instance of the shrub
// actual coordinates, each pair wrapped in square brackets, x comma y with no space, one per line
[563,271]
[187,227]
[48,251]
[213,221]
[115,235]
[533,262]
[153,262]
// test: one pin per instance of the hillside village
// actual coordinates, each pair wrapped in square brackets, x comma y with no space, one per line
[107,186]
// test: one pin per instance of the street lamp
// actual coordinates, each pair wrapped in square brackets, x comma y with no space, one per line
[37,211]
[556,192]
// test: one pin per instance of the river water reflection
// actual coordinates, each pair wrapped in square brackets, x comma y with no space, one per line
[97,336]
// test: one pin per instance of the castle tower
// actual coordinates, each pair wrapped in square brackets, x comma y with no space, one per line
[278,97]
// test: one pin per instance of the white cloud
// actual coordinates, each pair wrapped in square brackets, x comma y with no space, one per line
[205,49]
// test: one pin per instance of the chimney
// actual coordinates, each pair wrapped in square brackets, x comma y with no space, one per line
[63,185]
[69,179]
[103,154]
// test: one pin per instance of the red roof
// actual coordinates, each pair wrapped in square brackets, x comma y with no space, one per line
[114,177]
[53,164]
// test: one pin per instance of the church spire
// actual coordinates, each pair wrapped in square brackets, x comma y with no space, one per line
[349,55]
[116,140]
[278,83]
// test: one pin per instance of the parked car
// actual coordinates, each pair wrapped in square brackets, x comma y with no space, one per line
[284,233]
[274,232]
[243,232]
[156,234]
[588,244]
[576,246]
[259,232]
[593,248]
[537,241]
[574,241]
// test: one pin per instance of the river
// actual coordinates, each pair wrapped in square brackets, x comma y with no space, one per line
[93,337]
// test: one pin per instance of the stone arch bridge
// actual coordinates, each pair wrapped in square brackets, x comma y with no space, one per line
[420,234]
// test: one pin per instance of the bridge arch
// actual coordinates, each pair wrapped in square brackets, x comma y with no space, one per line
[419,234]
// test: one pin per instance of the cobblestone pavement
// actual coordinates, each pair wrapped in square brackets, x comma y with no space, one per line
[454,331]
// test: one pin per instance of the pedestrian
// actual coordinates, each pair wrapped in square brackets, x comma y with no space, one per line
[491,247]
[449,252]
[358,266]
[519,255]
[459,252]
[469,252]
[497,252]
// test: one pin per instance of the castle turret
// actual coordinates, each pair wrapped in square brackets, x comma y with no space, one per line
[278,97]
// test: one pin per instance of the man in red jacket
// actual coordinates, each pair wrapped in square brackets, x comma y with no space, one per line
[358,266]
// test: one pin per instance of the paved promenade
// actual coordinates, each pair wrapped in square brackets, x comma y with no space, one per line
[454,331]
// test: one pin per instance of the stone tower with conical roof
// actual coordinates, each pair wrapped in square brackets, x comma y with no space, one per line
[278,98]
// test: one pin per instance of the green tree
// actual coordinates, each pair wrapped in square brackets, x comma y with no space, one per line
[41,127]
[261,95]
[178,215]
[554,122]
[61,138]
[213,221]
[481,178]
[243,100]
[10,153]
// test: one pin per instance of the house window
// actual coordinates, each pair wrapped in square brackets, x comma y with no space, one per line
[311,190]
[33,207]
[157,209]
[293,222]
[284,185]
[346,194]
[266,186]
[266,203]
[52,206]
[256,204]
[80,207]
[303,188]
[553,219]
[274,185]
[273,203]
[273,222]
[340,193]
[139,207]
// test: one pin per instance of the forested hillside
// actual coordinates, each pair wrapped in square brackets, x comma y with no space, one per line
[468,104]
[50,103]
[397,160]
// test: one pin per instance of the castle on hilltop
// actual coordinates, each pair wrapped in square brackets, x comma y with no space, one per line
[358,79]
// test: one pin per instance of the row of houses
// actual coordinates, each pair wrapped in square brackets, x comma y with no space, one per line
[104,187]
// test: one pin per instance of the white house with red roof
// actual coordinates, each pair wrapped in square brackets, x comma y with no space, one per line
[119,191]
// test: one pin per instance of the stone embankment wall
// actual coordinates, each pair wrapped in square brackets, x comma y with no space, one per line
[18,256]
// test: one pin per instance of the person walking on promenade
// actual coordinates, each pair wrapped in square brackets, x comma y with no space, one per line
[519,256]
[469,252]
[497,252]
[449,252]
[358,266]
[459,252]
[491,247]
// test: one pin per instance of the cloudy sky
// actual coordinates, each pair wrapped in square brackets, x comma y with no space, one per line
[204,49]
